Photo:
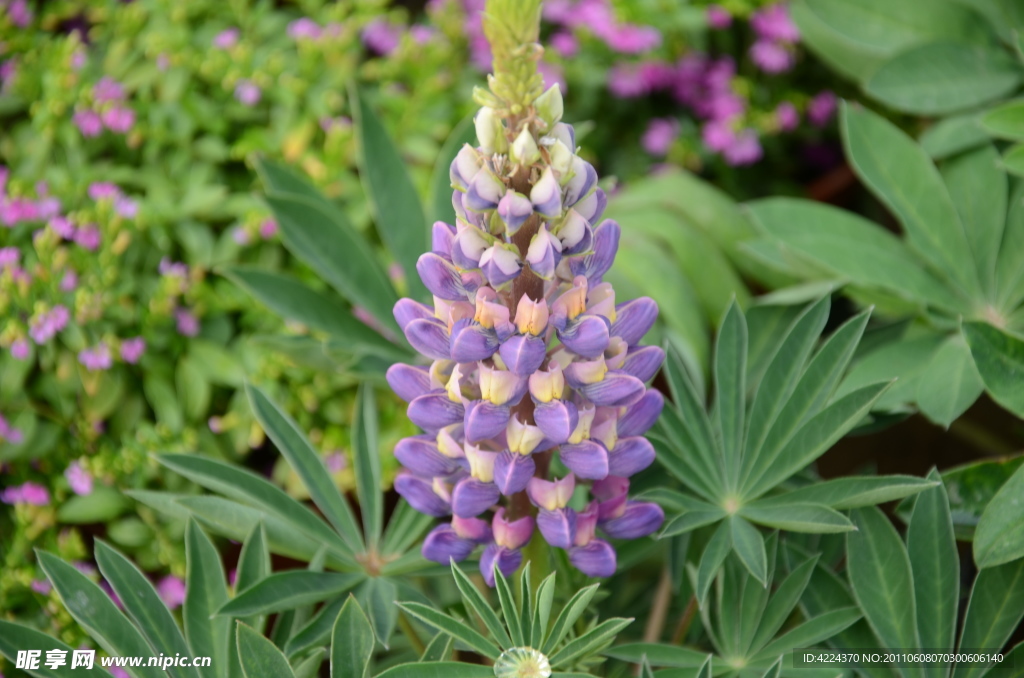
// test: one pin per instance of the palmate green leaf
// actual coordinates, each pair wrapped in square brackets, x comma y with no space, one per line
[526,604]
[351,642]
[441,208]
[253,567]
[900,174]
[260,658]
[452,627]
[879,571]
[681,455]
[316,631]
[1005,121]
[438,670]
[288,590]
[542,612]
[943,77]
[935,565]
[729,407]
[999,357]
[843,54]
[475,601]
[953,135]
[951,384]
[781,604]
[904,359]
[96,613]
[404,527]
[509,611]
[378,595]
[244,485]
[1013,160]
[754,599]
[366,457]
[304,460]
[810,632]
[205,592]
[658,654]
[995,609]
[691,519]
[591,641]
[576,606]
[711,560]
[852,491]
[15,637]
[999,537]
[394,202]
[796,517]
[749,546]
[439,649]
[310,666]
[1010,266]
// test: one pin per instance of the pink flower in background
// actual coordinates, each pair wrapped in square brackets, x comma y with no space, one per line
[565,44]
[9,433]
[215,424]
[187,322]
[268,229]
[46,325]
[422,34]
[118,672]
[304,29]
[624,81]
[718,135]
[103,190]
[7,70]
[9,257]
[175,269]
[96,359]
[163,62]
[20,349]
[552,75]
[85,568]
[119,119]
[107,89]
[335,461]
[78,479]
[132,349]
[28,493]
[110,592]
[88,237]
[774,23]
[69,282]
[88,122]
[659,136]
[78,59]
[744,150]
[63,227]
[718,17]
[633,39]
[821,108]
[41,586]
[656,75]
[247,92]
[172,591]
[771,57]
[227,38]
[786,117]
[126,207]
[19,13]
[240,235]
[381,37]
[328,124]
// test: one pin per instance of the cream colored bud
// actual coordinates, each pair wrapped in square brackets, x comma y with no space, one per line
[524,149]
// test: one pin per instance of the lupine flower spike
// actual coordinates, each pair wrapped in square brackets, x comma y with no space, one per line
[531,355]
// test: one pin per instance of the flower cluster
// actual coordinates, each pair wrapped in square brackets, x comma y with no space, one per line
[532,357]
[107,108]
[777,35]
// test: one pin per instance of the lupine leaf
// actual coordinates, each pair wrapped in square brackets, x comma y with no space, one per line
[253,567]
[288,590]
[310,666]
[438,670]
[396,206]
[879,572]
[754,599]
[439,649]
[404,527]
[304,460]
[672,442]
[812,631]
[1010,267]
[205,593]
[366,457]
[15,637]
[592,640]
[1000,360]
[796,517]
[526,604]
[693,419]
[576,606]
[260,658]
[995,609]
[690,520]
[509,612]
[847,56]
[852,491]
[542,613]
[1006,121]
[658,654]
[711,561]
[378,596]
[351,642]
[749,546]
[951,383]
[781,604]
[999,537]
[475,601]
[452,627]
[952,135]
[730,370]
[317,631]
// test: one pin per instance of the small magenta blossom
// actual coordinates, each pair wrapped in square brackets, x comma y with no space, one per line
[172,591]
[10,434]
[565,44]
[659,136]
[88,237]
[186,322]
[132,349]
[41,586]
[227,38]
[381,36]
[21,349]
[304,29]
[69,281]
[773,51]
[88,123]
[718,17]
[44,326]
[78,479]
[821,108]
[29,493]
[247,92]
[532,357]
[19,13]
[97,358]
[268,229]
[786,117]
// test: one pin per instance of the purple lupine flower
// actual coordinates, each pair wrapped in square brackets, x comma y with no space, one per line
[227,38]
[88,122]
[132,349]
[381,36]
[186,322]
[29,493]
[821,108]
[718,17]
[660,134]
[78,479]
[531,353]
[172,591]
[247,92]
[97,358]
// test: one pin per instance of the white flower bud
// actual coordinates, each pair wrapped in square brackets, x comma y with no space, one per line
[549,105]
[524,149]
[490,131]
[561,159]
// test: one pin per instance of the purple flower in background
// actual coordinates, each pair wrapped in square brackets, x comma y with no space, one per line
[172,591]
[9,433]
[174,269]
[335,461]
[19,13]
[163,62]
[103,190]
[132,349]
[41,586]
[771,57]
[240,235]
[774,23]
[718,135]
[9,257]
[63,227]
[45,326]
[187,323]
[624,81]
[821,108]
[744,150]
[633,39]
[660,134]
[118,119]
[97,358]
[78,479]
[304,29]
[78,59]
[786,117]
[565,44]
[8,69]
[118,672]
[20,349]
[718,17]
[381,36]
[268,229]
[69,282]
[227,38]
[421,34]
[552,75]
[106,90]
[247,92]
[88,122]
[126,207]
[27,493]
[88,237]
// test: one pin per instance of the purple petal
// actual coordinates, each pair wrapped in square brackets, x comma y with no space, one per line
[506,560]
[465,166]
[546,195]
[408,381]
[420,455]
[592,207]
[583,180]
[471,497]
[511,534]
[429,337]
[606,244]
[576,234]
[565,133]
[643,362]
[638,520]
[587,459]
[442,545]
[634,319]
[433,411]
[512,472]
[557,419]
[407,310]
[586,336]
[514,209]
[471,342]
[500,264]
[615,390]
[484,420]
[595,559]
[441,236]
[475,530]
[641,415]
[558,527]
[441,277]
[544,253]
[484,191]
[523,354]
[420,494]
[630,456]
[468,246]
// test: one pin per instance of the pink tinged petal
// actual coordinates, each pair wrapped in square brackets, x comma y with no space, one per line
[558,527]
[606,244]
[441,236]
[531,316]
[610,488]
[546,195]
[477,530]
[470,342]
[511,534]
[443,544]
[643,362]
[549,385]
[441,277]
[587,336]
[575,233]
[586,524]
[634,319]
[592,206]
[551,495]
[421,455]
[523,355]
[584,178]
[420,494]
[615,354]
[595,559]
[434,411]
[513,471]
[617,389]
[429,337]
[471,497]
[640,416]
[484,420]
[630,456]
[544,253]
[464,167]
[484,192]
[601,301]
[639,519]
[586,459]
[557,419]
[409,382]
[500,263]
[468,245]
[507,561]
[514,209]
